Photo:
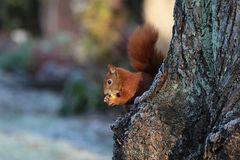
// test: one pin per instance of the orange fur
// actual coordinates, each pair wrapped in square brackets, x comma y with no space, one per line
[133,85]
[122,86]
[142,52]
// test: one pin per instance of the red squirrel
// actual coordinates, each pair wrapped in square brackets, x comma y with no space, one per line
[121,86]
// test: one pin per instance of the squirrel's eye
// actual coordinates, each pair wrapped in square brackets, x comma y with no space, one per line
[109,82]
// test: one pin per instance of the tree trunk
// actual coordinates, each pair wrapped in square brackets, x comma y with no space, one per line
[192,111]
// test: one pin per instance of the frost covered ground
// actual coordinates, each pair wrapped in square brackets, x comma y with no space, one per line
[30,129]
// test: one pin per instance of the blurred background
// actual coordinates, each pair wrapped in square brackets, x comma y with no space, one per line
[53,57]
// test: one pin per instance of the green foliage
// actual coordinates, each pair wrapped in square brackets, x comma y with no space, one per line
[19,14]
[96,99]
[102,28]
[75,98]
[17,59]
[80,95]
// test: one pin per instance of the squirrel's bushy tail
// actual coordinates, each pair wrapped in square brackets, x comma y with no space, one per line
[142,51]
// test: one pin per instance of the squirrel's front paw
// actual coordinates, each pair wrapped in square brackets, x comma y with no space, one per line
[109,100]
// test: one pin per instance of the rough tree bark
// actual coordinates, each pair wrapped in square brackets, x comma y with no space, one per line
[195,112]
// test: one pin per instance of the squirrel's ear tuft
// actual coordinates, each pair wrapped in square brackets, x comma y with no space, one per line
[111,68]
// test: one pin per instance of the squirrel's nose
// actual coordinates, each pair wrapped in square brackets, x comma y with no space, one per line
[107,94]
